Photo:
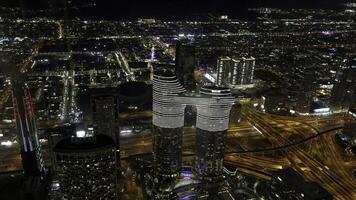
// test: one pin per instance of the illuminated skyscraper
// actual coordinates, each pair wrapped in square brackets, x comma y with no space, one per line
[213,106]
[235,71]
[31,151]
[248,70]
[223,67]
[212,124]
[168,122]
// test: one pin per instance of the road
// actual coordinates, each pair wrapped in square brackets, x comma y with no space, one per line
[318,159]
[331,175]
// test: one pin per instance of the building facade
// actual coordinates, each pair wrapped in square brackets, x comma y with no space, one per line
[223,69]
[31,150]
[185,65]
[213,105]
[168,122]
[235,71]
[306,94]
[212,124]
[86,167]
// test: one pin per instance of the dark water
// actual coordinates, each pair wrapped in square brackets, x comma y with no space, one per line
[168,9]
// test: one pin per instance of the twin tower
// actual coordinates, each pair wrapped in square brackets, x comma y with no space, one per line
[213,105]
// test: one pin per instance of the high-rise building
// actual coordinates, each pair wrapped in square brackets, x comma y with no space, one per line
[105,114]
[236,75]
[213,109]
[168,122]
[86,166]
[235,71]
[212,123]
[223,68]
[100,106]
[248,70]
[343,93]
[306,94]
[31,151]
[213,106]
[185,65]
[105,111]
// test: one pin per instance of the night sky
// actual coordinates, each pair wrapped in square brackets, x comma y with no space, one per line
[118,9]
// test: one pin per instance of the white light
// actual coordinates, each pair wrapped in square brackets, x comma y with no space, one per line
[6,143]
[127,132]
[322,110]
[55,186]
[1,135]
[80,134]
[351,113]
[209,77]
[257,130]
[43,140]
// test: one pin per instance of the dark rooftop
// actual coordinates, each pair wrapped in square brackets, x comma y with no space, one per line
[67,146]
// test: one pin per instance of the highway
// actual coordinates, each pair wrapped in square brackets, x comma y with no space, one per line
[331,175]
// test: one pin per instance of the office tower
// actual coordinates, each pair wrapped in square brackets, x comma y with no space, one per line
[306,93]
[248,70]
[86,166]
[213,106]
[236,75]
[344,90]
[213,115]
[185,65]
[235,71]
[223,68]
[31,152]
[168,122]
[105,112]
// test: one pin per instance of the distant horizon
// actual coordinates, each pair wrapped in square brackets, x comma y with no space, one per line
[182,9]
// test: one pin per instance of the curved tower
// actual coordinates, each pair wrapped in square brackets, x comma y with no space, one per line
[86,167]
[168,122]
[212,123]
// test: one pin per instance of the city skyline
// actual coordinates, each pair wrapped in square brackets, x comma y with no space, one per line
[183,100]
